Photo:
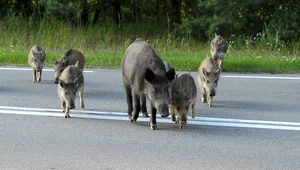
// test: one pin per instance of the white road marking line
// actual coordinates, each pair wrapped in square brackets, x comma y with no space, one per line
[263,77]
[201,121]
[29,69]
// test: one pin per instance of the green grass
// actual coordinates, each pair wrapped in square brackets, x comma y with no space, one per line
[104,46]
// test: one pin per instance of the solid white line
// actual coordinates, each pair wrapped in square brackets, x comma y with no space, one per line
[201,121]
[263,77]
[29,69]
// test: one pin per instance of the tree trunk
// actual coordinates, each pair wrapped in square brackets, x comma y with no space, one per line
[84,18]
[117,11]
[174,11]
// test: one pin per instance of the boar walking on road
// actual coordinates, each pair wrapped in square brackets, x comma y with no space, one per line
[144,73]
[208,77]
[183,95]
[218,49]
[71,81]
[36,59]
[69,58]
[143,97]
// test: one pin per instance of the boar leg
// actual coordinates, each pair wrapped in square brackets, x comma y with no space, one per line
[183,120]
[172,111]
[129,100]
[80,93]
[144,107]
[152,123]
[63,105]
[210,101]
[204,95]
[67,112]
[137,108]
[34,75]
[193,110]
[220,61]
[39,76]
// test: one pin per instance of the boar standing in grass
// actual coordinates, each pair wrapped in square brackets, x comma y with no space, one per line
[69,58]
[36,59]
[71,81]
[218,49]
[144,73]
[183,95]
[208,77]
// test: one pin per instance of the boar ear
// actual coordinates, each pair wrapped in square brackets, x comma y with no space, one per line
[171,74]
[205,73]
[43,53]
[216,34]
[218,72]
[75,81]
[149,75]
[65,62]
[77,63]
[55,62]
[62,83]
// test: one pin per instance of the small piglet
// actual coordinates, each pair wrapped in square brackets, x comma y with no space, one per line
[69,58]
[208,77]
[218,49]
[183,95]
[36,59]
[71,81]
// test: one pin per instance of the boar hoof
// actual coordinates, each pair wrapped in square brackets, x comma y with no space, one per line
[153,126]
[182,124]
[210,105]
[67,116]
[145,114]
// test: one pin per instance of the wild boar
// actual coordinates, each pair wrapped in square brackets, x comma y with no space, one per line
[208,77]
[183,95]
[144,73]
[143,97]
[69,58]
[71,81]
[218,49]
[36,59]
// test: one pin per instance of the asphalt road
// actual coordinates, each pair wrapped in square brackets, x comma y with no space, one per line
[52,142]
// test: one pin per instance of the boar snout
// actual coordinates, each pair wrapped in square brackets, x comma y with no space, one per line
[56,81]
[212,93]
[164,112]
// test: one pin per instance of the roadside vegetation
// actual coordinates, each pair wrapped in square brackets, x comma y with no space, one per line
[269,44]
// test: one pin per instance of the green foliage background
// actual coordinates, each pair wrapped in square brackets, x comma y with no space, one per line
[263,36]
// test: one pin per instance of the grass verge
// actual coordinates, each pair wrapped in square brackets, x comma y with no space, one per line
[104,46]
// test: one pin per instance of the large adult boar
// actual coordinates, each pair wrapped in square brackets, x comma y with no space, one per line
[69,58]
[208,77]
[183,95]
[143,97]
[218,49]
[144,73]
[71,81]
[36,59]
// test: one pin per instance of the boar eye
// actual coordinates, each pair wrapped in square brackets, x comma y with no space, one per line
[218,49]
[207,81]
[35,60]
[66,93]
[187,107]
